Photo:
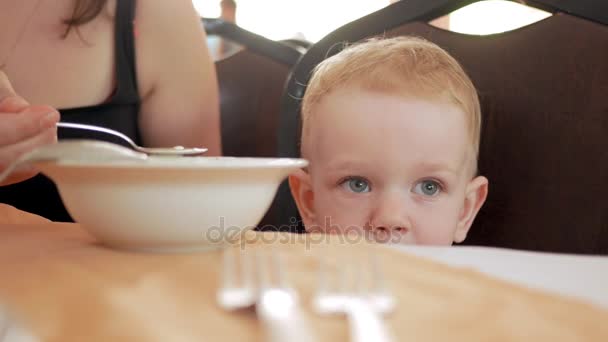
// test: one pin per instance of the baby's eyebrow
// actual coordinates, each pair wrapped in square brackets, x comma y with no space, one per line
[343,164]
[438,166]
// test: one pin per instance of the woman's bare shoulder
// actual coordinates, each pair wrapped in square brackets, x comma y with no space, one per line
[164,31]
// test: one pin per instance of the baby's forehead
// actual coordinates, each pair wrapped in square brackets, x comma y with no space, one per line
[368,125]
[374,102]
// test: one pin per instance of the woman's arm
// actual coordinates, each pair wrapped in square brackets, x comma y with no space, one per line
[176,76]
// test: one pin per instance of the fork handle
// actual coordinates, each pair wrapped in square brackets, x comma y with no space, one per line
[286,329]
[365,323]
[287,324]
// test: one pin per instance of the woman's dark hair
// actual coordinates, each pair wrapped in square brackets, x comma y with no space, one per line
[84,11]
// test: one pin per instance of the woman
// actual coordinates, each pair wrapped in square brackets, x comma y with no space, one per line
[138,67]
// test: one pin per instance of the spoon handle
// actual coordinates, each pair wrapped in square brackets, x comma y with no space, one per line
[97,129]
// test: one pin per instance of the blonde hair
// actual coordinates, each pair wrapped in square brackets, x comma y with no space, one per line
[403,65]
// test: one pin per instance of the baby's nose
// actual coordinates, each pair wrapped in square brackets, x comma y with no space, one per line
[391,234]
[391,218]
[391,229]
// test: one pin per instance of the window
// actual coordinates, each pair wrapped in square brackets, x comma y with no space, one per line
[493,16]
[313,19]
[284,19]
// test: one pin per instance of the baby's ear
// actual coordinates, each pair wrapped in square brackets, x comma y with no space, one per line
[475,195]
[301,190]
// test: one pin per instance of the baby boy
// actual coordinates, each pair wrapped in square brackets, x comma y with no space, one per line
[391,128]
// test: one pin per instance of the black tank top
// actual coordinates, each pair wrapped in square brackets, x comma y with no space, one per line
[39,195]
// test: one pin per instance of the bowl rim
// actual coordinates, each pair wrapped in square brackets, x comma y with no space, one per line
[187,163]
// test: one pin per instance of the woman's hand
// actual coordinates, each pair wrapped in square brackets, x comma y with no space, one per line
[22,128]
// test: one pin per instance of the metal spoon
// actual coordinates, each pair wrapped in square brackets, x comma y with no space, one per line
[174,151]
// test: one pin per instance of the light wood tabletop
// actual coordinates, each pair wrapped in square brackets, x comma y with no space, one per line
[62,285]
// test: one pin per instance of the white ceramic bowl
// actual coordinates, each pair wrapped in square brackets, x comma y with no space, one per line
[168,204]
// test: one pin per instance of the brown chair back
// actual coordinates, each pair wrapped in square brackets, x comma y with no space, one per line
[544,144]
[543,92]
[252,71]
[251,86]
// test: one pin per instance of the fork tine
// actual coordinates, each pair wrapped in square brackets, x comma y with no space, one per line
[351,278]
[279,269]
[237,289]
[262,268]
[247,270]
[277,305]
[360,281]
[323,281]
[375,271]
[377,277]
[228,269]
[382,298]
[343,274]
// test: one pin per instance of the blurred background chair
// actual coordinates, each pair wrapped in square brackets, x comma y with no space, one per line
[252,72]
[544,143]
[301,45]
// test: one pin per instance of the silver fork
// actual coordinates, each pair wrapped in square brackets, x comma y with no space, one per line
[10,331]
[276,303]
[236,294]
[363,305]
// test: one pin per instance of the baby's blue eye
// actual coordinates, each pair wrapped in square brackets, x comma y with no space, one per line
[357,185]
[428,188]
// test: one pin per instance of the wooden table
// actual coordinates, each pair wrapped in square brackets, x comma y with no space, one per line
[62,285]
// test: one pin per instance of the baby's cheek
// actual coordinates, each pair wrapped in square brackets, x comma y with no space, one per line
[438,231]
[334,218]
[433,239]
